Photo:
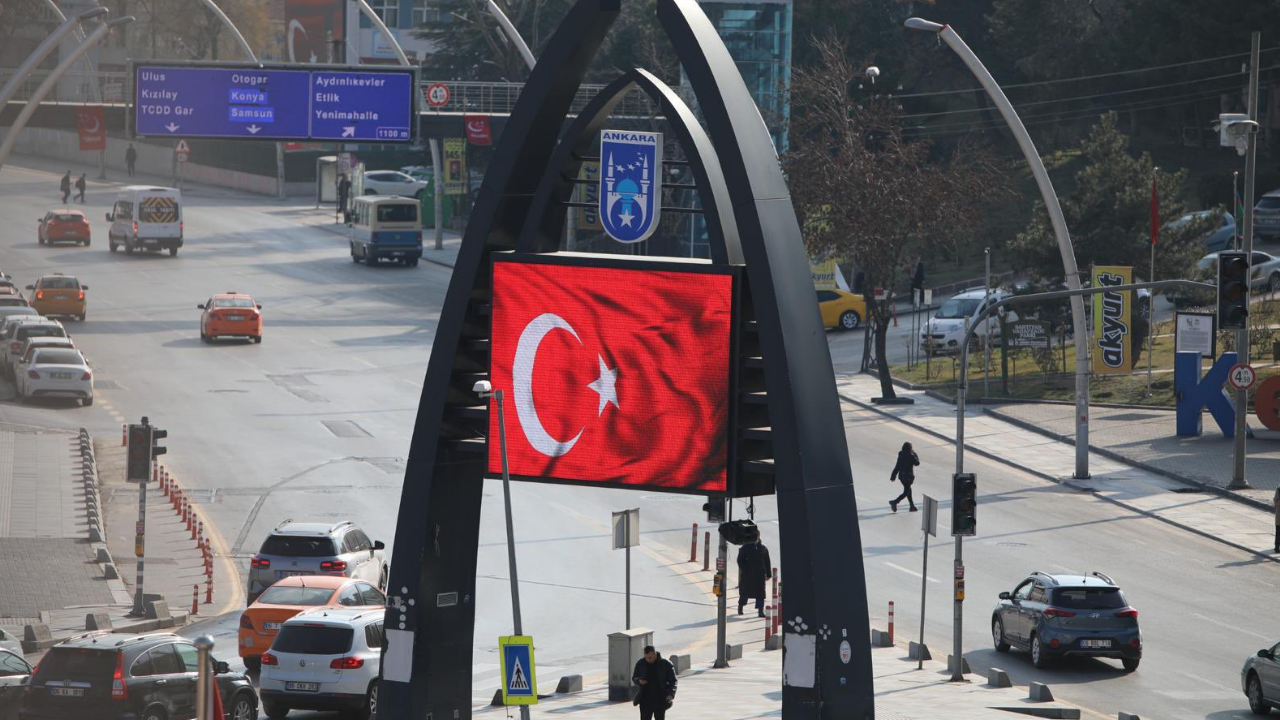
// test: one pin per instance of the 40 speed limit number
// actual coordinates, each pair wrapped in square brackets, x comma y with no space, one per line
[1242,377]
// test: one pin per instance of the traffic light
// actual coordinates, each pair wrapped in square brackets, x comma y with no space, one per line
[156,435]
[139,463]
[964,504]
[1233,290]
[714,507]
[740,532]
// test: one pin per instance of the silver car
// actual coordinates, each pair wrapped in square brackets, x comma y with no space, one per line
[1260,679]
[314,548]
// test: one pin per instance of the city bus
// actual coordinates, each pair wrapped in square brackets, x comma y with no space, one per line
[385,228]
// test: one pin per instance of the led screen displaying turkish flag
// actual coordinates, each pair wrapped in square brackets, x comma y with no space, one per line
[612,375]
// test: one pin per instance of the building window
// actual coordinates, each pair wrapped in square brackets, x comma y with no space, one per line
[423,13]
[388,10]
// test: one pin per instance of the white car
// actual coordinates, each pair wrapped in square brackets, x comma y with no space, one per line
[1264,270]
[392,182]
[19,331]
[324,659]
[34,343]
[56,372]
[946,328]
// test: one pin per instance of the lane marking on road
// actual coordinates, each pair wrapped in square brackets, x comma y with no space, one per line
[366,362]
[410,382]
[1207,681]
[1221,624]
[908,571]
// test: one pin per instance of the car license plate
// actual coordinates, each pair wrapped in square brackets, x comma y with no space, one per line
[61,376]
[302,686]
[1095,643]
[69,233]
[290,573]
[67,692]
[398,253]
[235,317]
[270,626]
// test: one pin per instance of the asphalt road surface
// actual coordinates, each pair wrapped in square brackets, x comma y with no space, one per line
[315,423]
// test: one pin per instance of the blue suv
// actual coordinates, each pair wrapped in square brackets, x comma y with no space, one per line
[1053,616]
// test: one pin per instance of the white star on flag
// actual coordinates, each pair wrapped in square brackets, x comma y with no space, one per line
[606,384]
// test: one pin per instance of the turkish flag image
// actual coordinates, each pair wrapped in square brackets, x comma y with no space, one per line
[612,376]
[91,122]
[479,131]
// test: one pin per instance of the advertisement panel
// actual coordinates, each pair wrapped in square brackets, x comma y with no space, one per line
[1112,322]
[455,166]
[615,372]
[1029,334]
[314,31]
[824,274]
[91,123]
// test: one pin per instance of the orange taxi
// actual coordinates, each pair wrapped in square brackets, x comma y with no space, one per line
[230,314]
[260,622]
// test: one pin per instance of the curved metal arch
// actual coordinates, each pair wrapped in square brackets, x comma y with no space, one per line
[547,214]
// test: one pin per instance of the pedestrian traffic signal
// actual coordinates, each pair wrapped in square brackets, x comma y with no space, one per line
[964,504]
[158,450]
[740,532]
[1233,290]
[139,463]
[714,507]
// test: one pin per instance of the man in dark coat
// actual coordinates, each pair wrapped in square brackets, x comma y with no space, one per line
[130,158]
[905,471]
[656,679]
[754,568]
[344,192]
[65,186]
[80,186]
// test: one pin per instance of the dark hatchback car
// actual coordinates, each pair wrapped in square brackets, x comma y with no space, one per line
[14,673]
[1054,616]
[111,676]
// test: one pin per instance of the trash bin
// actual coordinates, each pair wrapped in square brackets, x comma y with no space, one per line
[625,650]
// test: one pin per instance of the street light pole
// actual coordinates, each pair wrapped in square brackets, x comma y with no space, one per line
[484,390]
[42,51]
[1059,223]
[1238,480]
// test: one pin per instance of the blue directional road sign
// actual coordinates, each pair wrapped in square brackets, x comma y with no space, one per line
[274,102]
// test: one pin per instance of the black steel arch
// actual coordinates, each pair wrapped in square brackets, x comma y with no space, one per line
[432,584]
[547,215]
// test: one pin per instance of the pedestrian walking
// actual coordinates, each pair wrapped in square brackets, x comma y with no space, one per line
[80,186]
[754,568]
[130,158]
[655,679]
[905,472]
[65,186]
[1276,501]
[344,192]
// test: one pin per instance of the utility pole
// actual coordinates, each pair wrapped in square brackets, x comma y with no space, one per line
[1238,480]
[986,330]
[722,572]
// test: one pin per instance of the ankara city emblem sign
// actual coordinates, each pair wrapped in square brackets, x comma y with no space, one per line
[630,184]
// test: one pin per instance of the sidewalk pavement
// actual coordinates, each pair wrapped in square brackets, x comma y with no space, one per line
[751,688]
[1212,515]
[49,562]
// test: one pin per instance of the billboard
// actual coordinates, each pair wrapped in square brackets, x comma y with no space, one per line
[616,372]
[314,31]
[1112,322]
[455,166]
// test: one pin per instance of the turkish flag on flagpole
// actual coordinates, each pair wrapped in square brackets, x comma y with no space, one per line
[1155,213]
[612,376]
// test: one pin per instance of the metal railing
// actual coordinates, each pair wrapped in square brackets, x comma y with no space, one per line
[75,86]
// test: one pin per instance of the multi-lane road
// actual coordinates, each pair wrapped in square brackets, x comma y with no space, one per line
[315,423]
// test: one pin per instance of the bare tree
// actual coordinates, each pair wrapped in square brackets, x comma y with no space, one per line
[864,191]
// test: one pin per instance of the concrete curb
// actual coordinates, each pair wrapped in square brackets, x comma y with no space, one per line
[1063,481]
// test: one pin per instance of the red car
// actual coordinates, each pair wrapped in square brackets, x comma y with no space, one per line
[230,314]
[63,226]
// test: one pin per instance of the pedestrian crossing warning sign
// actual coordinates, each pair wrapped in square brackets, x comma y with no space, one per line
[519,683]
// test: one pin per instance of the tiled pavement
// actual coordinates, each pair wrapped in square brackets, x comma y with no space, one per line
[1210,514]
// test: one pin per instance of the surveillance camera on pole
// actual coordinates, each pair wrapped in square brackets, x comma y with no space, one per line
[1234,130]
[873,72]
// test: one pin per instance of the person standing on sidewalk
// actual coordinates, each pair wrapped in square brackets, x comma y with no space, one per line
[1276,501]
[905,471]
[656,679]
[754,568]
[130,158]
[65,187]
[344,192]
[80,186]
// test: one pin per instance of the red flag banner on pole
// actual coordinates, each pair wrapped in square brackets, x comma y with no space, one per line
[1155,213]
[479,131]
[91,123]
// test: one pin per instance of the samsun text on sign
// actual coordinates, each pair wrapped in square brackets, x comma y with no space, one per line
[613,376]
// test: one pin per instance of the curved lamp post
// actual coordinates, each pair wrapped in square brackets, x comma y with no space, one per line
[511,33]
[34,102]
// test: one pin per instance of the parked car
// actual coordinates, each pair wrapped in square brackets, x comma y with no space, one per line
[261,621]
[324,659]
[1264,270]
[15,672]
[22,329]
[1221,231]
[55,372]
[392,182]
[313,548]
[1260,679]
[63,226]
[9,642]
[841,310]
[944,331]
[10,297]
[1054,616]
[116,676]
[59,294]
[1266,216]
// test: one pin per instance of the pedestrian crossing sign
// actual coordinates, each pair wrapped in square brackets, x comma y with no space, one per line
[519,684]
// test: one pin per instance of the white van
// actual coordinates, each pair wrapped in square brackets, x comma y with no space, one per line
[146,218]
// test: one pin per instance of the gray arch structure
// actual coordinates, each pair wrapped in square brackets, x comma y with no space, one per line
[431,619]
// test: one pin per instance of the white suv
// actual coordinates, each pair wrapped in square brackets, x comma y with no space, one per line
[324,659]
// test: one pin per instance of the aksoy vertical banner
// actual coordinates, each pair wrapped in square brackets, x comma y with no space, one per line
[1112,322]
[455,166]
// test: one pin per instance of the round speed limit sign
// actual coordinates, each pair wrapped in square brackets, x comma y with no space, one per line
[437,95]
[1242,377]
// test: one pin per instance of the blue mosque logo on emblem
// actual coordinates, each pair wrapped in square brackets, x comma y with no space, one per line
[630,184]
